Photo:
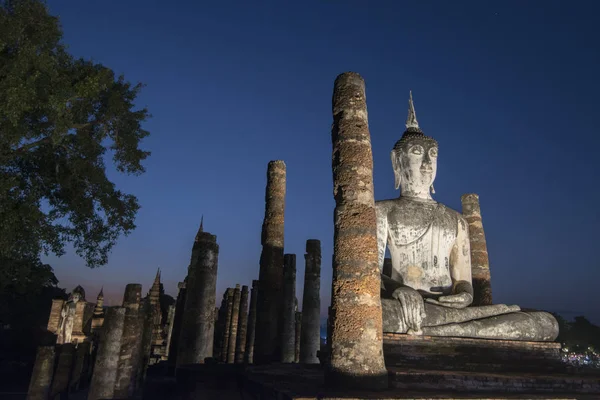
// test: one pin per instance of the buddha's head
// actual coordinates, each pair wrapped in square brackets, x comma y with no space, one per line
[414,159]
[77,294]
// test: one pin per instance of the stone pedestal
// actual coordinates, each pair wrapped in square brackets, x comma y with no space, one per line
[233,326]
[288,331]
[249,356]
[227,324]
[480,263]
[465,354]
[131,345]
[240,347]
[62,373]
[107,358]
[197,333]
[177,321]
[268,316]
[41,377]
[356,326]
[310,340]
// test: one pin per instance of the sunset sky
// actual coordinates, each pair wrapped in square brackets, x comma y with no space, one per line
[510,90]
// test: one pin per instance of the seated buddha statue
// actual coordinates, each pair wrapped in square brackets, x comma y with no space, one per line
[430,288]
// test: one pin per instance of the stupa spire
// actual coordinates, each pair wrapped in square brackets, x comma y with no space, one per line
[411,120]
[200,230]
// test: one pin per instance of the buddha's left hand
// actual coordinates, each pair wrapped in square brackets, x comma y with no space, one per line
[460,300]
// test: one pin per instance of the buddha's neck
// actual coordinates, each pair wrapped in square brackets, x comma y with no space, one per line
[417,195]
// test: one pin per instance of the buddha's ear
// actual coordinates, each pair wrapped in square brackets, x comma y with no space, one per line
[396,170]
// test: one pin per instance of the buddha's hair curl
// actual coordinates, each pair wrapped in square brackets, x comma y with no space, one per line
[412,134]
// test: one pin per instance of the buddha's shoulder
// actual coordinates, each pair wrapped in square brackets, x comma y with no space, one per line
[403,205]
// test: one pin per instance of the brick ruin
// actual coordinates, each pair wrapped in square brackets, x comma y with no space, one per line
[109,349]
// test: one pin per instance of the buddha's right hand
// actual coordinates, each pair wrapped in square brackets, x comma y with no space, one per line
[413,308]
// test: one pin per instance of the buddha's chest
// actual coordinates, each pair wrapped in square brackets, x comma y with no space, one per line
[420,240]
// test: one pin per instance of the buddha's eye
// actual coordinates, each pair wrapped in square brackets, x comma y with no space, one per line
[433,152]
[416,150]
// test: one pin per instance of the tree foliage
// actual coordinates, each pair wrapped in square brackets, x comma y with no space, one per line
[60,119]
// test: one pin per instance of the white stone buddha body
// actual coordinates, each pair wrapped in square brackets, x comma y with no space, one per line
[430,287]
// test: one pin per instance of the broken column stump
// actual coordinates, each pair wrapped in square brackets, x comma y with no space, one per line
[310,340]
[227,325]
[197,331]
[177,321]
[267,340]
[107,358]
[288,331]
[480,262]
[233,326]
[62,373]
[41,377]
[356,326]
[298,333]
[240,347]
[249,356]
[131,345]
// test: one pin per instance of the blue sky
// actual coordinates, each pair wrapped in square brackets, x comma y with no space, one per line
[508,88]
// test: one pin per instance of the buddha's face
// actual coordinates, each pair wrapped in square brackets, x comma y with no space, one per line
[415,166]
[76,297]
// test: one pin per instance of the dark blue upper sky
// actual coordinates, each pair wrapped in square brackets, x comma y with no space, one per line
[510,90]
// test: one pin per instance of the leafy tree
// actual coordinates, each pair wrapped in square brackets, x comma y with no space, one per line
[60,118]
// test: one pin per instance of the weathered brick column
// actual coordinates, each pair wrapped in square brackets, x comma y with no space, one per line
[310,341]
[480,262]
[177,321]
[288,327]
[62,373]
[197,331]
[240,347]
[233,327]
[41,377]
[107,358]
[249,356]
[131,345]
[356,331]
[227,325]
[268,312]
[298,334]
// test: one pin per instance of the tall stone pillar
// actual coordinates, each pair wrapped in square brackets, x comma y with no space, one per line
[131,345]
[177,321]
[240,347]
[197,333]
[356,329]
[107,358]
[227,325]
[249,356]
[480,262]
[268,310]
[311,304]
[298,334]
[233,327]
[41,377]
[288,331]
[62,373]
